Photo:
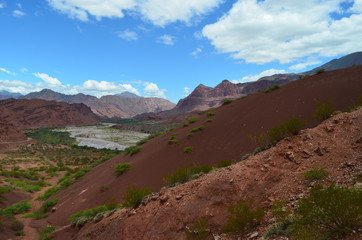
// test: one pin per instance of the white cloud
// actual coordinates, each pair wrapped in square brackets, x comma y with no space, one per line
[159,12]
[300,66]
[357,6]
[2,5]
[251,78]
[48,79]
[285,31]
[196,52]
[128,35]
[186,90]
[167,39]
[152,90]
[17,86]
[6,71]
[18,13]
[101,88]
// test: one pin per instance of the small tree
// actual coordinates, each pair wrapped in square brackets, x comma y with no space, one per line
[122,167]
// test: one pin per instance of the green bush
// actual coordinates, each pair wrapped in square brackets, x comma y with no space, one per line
[50,192]
[185,124]
[281,213]
[80,218]
[16,225]
[325,109]
[184,174]
[132,150]
[315,174]
[198,230]
[225,163]
[46,232]
[17,208]
[47,135]
[209,113]
[173,141]
[284,129]
[188,150]
[322,70]
[209,120]
[226,101]
[192,120]
[134,196]
[200,128]
[328,213]
[42,212]
[243,217]
[272,88]
[122,167]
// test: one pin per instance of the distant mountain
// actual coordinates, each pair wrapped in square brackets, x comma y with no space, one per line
[35,113]
[343,62]
[127,95]
[111,106]
[6,95]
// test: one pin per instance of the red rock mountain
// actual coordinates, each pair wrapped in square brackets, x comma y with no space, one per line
[9,133]
[34,113]
[125,105]
[226,137]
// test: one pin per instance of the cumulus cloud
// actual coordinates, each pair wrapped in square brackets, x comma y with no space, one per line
[18,13]
[101,88]
[272,30]
[6,71]
[128,35]
[251,78]
[159,12]
[167,39]
[48,79]
[152,90]
[17,86]
[301,66]
[196,52]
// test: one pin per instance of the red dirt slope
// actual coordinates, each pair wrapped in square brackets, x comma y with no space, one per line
[9,133]
[268,176]
[34,113]
[225,138]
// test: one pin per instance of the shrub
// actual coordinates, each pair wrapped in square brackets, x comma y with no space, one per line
[322,70]
[328,213]
[200,128]
[187,173]
[315,174]
[82,217]
[192,120]
[209,120]
[188,150]
[17,208]
[324,110]
[134,196]
[281,212]
[16,225]
[198,230]
[46,232]
[225,163]
[285,129]
[173,141]
[272,88]
[185,124]
[48,193]
[243,217]
[132,150]
[210,113]
[42,212]
[226,101]
[122,167]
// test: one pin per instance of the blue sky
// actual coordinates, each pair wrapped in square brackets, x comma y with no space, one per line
[161,48]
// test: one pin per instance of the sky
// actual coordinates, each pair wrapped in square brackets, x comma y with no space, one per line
[159,48]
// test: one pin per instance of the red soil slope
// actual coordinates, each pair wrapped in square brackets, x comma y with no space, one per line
[225,138]
[268,176]
[36,113]
[9,133]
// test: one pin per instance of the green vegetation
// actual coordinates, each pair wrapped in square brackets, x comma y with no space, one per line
[272,88]
[42,212]
[209,120]
[315,174]
[134,196]
[122,167]
[50,192]
[149,137]
[187,173]
[281,213]
[192,120]
[225,163]
[243,217]
[322,70]
[188,150]
[198,230]
[226,101]
[324,110]
[185,124]
[357,106]
[173,140]
[200,128]
[132,150]
[46,232]
[17,208]
[328,213]
[209,113]
[48,135]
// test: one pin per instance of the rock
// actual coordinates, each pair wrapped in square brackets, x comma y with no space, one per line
[54,209]
[318,151]
[329,128]
[163,199]
[290,156]
[178,197]
[306,154]
[253,235]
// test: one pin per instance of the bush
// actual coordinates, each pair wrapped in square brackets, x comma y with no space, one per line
[209,120]
[82,217]
[210,113]
[46,232]
[324,110]
[48,193]
[198,230]
[42,212]
[16,225]
[322,70]
[281,212]
[122,167]
[200,128]
[327,214]
[132,150]
[184,174]
[285,129]
[134,196]
[192,120]
[226,101]
[243,217]
[225,163]
[188,150]
[17,208]
[272,88]
[315,174]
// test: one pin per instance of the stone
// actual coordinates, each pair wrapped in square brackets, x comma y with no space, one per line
[289,156]
[163,198]
[318,151]
[253,235]
[178,197]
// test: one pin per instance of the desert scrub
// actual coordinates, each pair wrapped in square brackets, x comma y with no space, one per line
[209,120]
[225,163]
[200,128]
[46,232]
[134,196]
[315,174]
[209,113]
[50,192]
[132,150]
[82,217]
[173,140]
[188,150]
[47,135]
[17,208]
[272,88]
[243,217]
[42,212]
[226,101]
[282,214]
[122,168]
[198,230]
[185,174]
[328,213]
[322,70]
[324,110]
[192,120]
